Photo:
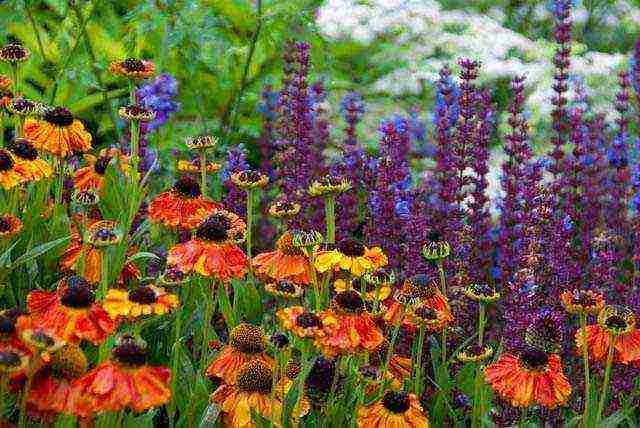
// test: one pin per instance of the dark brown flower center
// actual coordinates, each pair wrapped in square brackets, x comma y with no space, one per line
[130,353]
[396,401]
[43,339]
[321,376]
[308,320]
[215,228]
[5,225]
[426,313]
[77,296]
[59,116]
[434,237]
[100,167]
[250,176]
[279,340]
[351,248]
[187,186]
[136,110]
[285,206]
[143,295]
[583,299]
[13,52]
[24,150]
[6,162]
[22,106]
[482,289]
[255,376]
[247,338]
[132,64]
[285,287]
[9,359]
[350,301]
[475,350]
[105,234]
[616,322]
[7,325]
[534,359]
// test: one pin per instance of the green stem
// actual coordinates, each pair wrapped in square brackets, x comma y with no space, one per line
[417,386]
[250,201]
[443,279]
[443,347]
[394,339]
[314,278]
[206,323]
[607,377]
[2,129]
[481,322]
[330,218]
[174,364]
[104,274]
[59,181]
[135,159]
[4,382]
[203,172]
[585,362]
[477,399]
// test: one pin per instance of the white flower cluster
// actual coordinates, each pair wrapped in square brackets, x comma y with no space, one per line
[423,37]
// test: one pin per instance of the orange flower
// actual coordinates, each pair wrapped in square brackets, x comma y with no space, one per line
[532,378]
[350,255]
[286,262]
[133,68]
[582,301]
[246,343]
[59,133]
[51,390]
[348,327]
[142,300]
[617,324]
[124,381]
[28,164]
[92,259]
[9,226]
[9,177]
[252,393]
[301,322]
[213,251]
[194,166]
[9,332]
[5,81]
[71,313]
[393,410]
[92,176]
[421,301]
[182,206]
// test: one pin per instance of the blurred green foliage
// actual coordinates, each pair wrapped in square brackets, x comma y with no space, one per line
[221,51]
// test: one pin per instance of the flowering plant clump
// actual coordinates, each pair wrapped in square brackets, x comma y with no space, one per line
[306,277]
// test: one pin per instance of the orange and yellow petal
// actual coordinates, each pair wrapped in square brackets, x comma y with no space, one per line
[222,261]
[277,265]
[174,210]
[33,170]
[57,140]
[227,364]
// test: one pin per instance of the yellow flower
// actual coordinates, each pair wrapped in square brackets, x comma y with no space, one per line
[351,256]
[144,300]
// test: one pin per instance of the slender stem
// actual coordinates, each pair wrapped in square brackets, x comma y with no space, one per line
[523,417]
[394,339]
[417,386]
[250,200]
[476,414]
[585,362]
[481,322]
[314,278]
[206,322]
[2,129]
[330,218]
[60,181]
[174,363]
[443,279]
[607,377]
[443,346]
[4,382]
[135,159]
[104,274]
[203,171]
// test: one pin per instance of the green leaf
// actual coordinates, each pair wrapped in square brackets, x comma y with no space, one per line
[6,256]
[36,252]
[210,415]
[142,255]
